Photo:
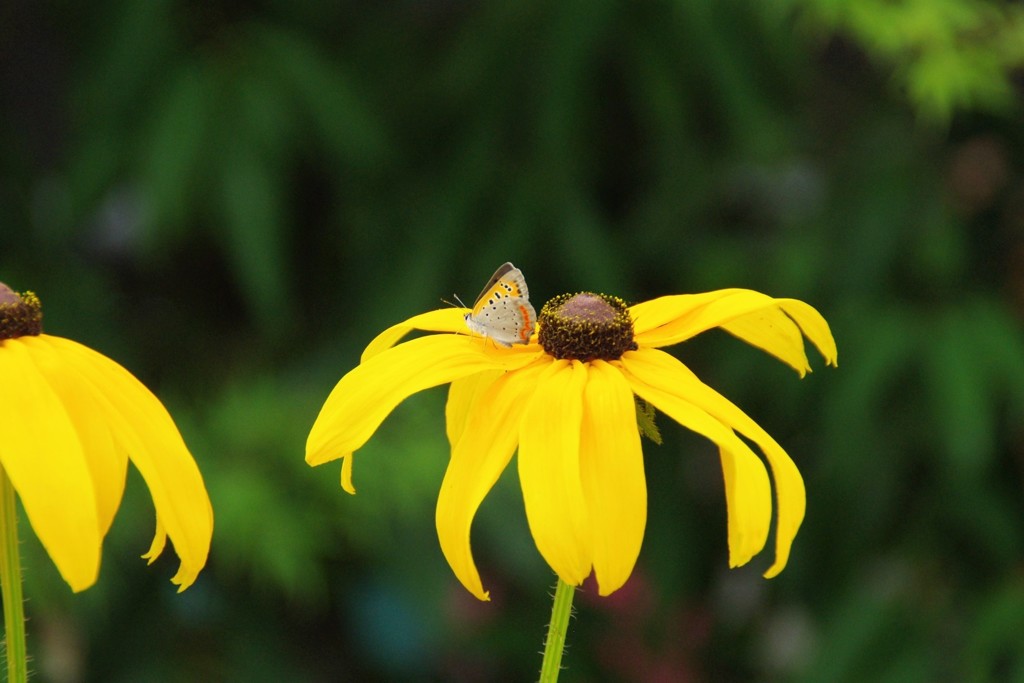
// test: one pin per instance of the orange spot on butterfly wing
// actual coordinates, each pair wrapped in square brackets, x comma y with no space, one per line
[526,329]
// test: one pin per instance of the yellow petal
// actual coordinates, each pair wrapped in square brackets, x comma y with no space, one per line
[549,470]
[142,426]
[771,331]
[776,326]
[42,455]
[108,464]
[490,437]
[462,395]
[158,544]
[365,396]
[346,473]
[814,325]
[780,329]
[791,498]
[747,489]
[443,320]
[612,472]
[671,319]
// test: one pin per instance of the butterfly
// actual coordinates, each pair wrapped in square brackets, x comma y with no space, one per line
[503,311]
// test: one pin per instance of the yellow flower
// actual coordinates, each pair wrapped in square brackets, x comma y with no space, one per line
[70,419]
[566,401]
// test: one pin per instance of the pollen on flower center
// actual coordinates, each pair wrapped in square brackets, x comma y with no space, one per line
[20,315]
[586,326]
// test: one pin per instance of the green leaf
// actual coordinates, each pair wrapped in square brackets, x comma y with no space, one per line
[325,92]
[945,79]
[999,339]
[645,414]
[958,393]
[172,149]
[251,205]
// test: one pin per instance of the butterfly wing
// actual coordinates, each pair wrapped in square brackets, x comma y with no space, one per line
[503,310]
[512,283]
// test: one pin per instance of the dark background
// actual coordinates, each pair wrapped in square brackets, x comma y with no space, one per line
[231,199]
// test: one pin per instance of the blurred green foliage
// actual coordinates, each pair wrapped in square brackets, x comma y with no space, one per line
[231,200]
[948,55]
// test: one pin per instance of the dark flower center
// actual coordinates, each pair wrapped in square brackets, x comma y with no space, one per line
[586,327]
[20,315]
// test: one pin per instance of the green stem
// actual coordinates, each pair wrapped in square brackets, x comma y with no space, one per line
[10,585]
[561,610]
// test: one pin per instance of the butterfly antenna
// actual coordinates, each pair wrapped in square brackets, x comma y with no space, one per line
[461,305]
